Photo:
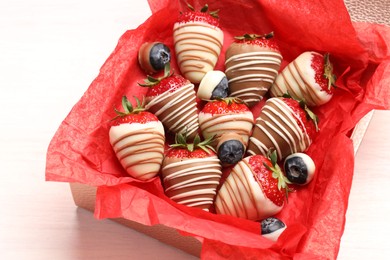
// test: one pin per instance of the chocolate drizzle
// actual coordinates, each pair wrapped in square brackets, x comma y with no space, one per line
[192,182]
[197,47]
[278,128]
[297,79]
[251,70]
[140,149]
[241,195]
[176,110]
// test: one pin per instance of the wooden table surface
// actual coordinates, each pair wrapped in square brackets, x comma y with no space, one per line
[50,51]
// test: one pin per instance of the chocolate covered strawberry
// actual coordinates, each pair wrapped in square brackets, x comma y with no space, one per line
[138,138]
[255,189]
[252,64]
[227,116]
[309,78]
[284,124]
[198,42]
[172,99]
[191,172]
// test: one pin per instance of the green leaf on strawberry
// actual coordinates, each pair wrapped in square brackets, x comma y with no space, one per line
[277,172]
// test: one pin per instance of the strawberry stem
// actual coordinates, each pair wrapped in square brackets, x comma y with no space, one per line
[181,142]
[250,37]
[151,81]
[277,172]
[328,72]
[128,107]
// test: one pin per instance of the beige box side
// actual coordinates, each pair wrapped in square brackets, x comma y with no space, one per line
[84,196]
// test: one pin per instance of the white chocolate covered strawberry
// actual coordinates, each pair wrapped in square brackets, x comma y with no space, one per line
[198,42]
[137,138]
[308,78]
[255,189]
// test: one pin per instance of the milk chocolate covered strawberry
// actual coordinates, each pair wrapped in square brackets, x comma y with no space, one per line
[284,124]
[137,137]
[255,189]
[309,78]
[172,99]
[198,42]
[252,64]
[191,173]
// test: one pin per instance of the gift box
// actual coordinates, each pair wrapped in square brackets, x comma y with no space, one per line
[80,152]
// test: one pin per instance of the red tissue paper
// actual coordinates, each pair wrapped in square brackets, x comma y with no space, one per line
[315,215]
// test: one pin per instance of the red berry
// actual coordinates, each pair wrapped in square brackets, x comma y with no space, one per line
[170,83]
[224,107]
[192,16]
[264,177]
[141,118]
[300,114]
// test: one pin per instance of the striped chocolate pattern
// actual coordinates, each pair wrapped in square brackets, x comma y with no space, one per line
[251,74]
[298,80]
[219,124]
[278,128]
[139,148]
[192,182]
[177,110]
[241,195]
[197,47]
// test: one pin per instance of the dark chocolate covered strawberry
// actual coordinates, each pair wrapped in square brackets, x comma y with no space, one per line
[172,99]
[137,137]
[198,42]
[191,173]
[252,64]
[255,189]
[308,78]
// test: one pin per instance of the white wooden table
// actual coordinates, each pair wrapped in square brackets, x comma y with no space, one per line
[50,51]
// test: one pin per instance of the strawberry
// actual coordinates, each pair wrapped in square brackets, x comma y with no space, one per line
[191,172]
[308,78]
[172,99]
[224,116]
[284,124]
[255,189]
[198,41]
[252,64]
[138,138]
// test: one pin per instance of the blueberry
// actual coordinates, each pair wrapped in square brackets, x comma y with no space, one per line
[231,152]
[270,225]
[159,56]
[299,168]
[221,90]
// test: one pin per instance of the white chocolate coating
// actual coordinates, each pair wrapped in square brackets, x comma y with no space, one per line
[219,124]
[193,181]
[139,148]
[176,110]
[277,127]
[197,47]
[242,196]
[208,84]
[311,167]
[275,235]
[298,79]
